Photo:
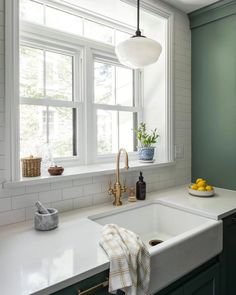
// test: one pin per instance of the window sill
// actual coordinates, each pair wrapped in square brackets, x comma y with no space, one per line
[82,172]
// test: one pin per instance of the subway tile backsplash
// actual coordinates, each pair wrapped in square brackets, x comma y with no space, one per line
[17,204]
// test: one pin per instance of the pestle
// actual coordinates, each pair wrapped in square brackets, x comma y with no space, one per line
[41,208]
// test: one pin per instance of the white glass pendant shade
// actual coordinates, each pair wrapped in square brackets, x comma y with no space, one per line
[138,52]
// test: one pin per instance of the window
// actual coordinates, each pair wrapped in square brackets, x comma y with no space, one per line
[52,115]
[70,93]
[46,84]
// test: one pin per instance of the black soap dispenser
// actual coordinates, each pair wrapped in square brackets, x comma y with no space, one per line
[141,188]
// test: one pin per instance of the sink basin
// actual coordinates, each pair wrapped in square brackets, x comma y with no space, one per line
[178,241]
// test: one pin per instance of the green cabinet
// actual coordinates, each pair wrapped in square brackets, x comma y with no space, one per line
[205,282]
[228,256]
[202,281]
[95,282]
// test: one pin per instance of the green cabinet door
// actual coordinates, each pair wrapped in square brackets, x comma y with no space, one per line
[228,256]
[84,285]
[206,283]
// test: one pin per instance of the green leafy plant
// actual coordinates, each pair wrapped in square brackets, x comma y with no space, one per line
[145,138]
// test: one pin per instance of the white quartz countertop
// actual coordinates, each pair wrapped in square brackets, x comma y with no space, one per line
[41,263]
[222,204]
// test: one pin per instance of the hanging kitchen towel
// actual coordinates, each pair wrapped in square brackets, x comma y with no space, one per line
[129,260]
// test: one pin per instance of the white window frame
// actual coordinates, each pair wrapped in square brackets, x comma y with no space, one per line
[12,79]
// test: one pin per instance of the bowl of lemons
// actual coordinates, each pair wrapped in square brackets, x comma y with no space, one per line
[201,189]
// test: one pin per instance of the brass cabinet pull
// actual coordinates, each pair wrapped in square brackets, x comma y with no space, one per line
[94,288]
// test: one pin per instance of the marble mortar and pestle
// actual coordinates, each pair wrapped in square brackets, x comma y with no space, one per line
[45,219]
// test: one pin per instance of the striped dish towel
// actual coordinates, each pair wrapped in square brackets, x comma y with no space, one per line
[129,260]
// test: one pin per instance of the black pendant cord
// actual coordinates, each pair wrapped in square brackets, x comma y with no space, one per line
[138,32]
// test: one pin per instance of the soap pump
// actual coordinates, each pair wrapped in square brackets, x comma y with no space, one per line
[141,188]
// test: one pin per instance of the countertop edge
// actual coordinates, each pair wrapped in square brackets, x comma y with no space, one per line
[73,280]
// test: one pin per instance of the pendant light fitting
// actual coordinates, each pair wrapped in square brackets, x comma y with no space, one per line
[138,51]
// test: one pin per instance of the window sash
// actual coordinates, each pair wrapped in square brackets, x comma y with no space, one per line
[75,104]
[76,66]
[137,108]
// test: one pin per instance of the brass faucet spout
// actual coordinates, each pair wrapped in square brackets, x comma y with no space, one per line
[118,189]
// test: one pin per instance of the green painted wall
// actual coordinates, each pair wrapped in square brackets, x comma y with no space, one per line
[214,100]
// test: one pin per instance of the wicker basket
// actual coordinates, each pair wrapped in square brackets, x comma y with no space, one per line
[31,166]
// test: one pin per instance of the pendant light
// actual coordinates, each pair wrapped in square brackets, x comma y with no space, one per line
[138,51]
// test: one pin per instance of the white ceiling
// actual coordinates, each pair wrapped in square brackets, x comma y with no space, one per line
[189,5]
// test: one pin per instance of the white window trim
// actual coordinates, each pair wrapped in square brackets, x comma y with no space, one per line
[12,81]
[12,88]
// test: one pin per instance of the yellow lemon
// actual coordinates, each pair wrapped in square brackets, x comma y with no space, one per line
[199,179]
[201,188]
[209,188]
[202,183]
[194,186]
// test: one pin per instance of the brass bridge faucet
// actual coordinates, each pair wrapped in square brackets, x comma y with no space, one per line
[118,189]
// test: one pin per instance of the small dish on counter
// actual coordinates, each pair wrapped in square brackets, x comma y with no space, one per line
[55,170]
[197,193]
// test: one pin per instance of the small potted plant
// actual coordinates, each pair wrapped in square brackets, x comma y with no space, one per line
[147,140]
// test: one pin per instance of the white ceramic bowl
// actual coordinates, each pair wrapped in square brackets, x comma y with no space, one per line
[201,193]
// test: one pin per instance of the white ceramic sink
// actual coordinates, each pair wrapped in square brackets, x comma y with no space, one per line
[189,240]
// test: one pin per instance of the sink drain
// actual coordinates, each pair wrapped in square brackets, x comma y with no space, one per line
[155,242]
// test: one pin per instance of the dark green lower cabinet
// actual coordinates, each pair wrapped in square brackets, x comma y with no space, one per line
[206,282]
[203,281]
[228,256]
[86,285]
